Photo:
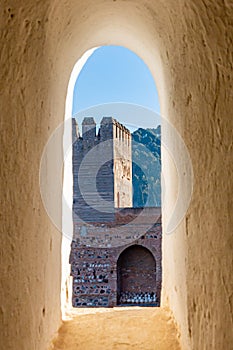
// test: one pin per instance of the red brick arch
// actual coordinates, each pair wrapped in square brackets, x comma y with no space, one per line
[136,275]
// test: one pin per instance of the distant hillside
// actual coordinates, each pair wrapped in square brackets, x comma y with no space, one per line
[146,156]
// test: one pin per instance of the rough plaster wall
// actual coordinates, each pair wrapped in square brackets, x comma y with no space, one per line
[30,245]
[200,108]
[187,45]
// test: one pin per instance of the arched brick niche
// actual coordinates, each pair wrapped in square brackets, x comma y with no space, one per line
[136,276]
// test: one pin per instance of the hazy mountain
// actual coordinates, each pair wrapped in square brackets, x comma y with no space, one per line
[146,156]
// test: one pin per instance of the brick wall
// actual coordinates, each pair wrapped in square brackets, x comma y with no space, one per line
[96,270]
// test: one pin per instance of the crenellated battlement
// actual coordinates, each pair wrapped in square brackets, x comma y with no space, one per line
[109,128]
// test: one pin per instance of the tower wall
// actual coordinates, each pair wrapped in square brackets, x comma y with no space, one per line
[122,167]
[102,170]
[92,182]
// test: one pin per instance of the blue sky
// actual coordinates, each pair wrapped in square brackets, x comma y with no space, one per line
[115,74]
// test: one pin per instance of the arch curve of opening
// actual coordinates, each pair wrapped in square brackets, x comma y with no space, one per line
[135,245]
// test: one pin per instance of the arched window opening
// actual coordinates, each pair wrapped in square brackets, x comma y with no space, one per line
[122,188]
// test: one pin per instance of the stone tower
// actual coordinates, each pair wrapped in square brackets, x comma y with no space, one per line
[102,170]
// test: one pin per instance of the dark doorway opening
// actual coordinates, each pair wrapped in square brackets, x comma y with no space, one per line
[136,277]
